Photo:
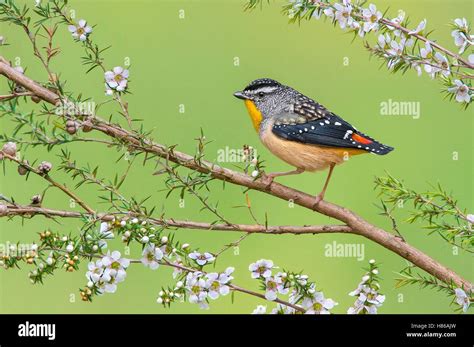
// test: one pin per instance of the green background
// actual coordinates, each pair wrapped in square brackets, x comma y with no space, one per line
[191,61]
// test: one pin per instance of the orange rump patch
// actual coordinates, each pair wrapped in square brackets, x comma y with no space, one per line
[361,139]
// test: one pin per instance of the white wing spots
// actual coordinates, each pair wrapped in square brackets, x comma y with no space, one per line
[305,129]
[337,123]
[367,148]
[312,127]
[300,131]
[346,135]
[359,146]
[326,121]
[321,123]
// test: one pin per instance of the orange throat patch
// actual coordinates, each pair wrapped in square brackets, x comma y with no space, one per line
[255,114]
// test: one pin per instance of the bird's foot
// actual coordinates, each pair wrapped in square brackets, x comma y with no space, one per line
[319,198]
[267,179]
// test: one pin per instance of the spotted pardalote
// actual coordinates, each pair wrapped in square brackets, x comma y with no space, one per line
[302,132]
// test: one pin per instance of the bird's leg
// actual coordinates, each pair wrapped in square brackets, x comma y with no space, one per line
[320,196]
[268,178]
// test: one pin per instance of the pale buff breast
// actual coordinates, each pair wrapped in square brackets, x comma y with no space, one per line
[305,156]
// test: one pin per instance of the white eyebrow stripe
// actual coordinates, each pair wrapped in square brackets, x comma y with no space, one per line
[264,90]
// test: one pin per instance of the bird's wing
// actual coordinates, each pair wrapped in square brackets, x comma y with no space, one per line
[311,123]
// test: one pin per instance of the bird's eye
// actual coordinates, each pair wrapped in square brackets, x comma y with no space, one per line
[261,94]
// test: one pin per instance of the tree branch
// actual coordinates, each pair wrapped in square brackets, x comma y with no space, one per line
[30,211]
[358,224]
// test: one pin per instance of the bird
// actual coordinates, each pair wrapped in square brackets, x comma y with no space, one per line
[302,132]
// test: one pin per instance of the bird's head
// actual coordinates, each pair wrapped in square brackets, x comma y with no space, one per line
[265,98]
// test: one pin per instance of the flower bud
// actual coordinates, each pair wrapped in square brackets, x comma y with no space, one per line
[9,148]
[87,126]
[71,130]
[36,200]
[90,284]
[23,170]
[70,248]
[3,210]
[145,239]
[164,239]
[159,300]
[185,245]
[45,167]
[95,248]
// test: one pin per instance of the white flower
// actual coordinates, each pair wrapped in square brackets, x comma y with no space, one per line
[427,52]
[110,278]
[196,287]
[367,298]
[117,79]
[255,173]
[318,304]
[461,23]
[462,299]
[470,218]
[397,20]
[105,234]
[144,239]
[460,35]
[81,30]
[261,268]
[260,310]
[329,11]
[371,18]
[113,261]
[273,286]
[177,271]
[283,309]
[461,90]
[96,269]
[216,284]
[151,256]
[202,259]
[419,28]
[443,63]
[343,14]
[383,41]
[69,248]
[396,48]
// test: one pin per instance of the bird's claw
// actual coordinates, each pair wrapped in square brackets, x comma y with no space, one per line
[318,199]
[267,180]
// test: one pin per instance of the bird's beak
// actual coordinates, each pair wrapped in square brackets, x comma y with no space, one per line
[240,95]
